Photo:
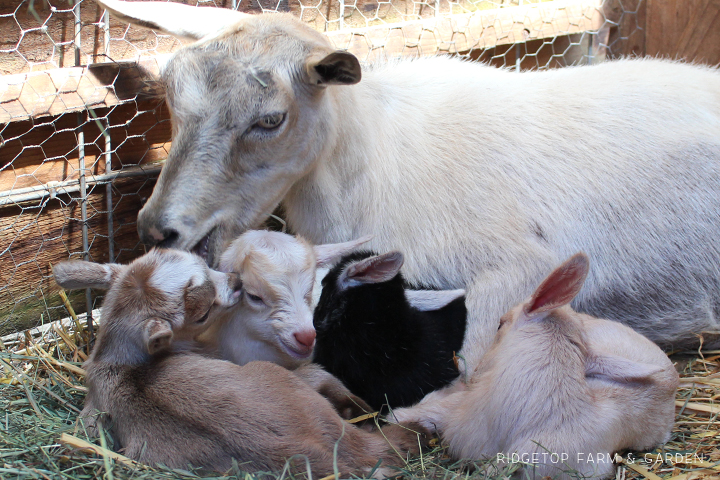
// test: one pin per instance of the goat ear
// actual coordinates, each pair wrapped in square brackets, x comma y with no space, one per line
[561,286]
[619,369]
[428,300]
[377,269]
[337,68]
[326,255]
[179,20]
[75,274]
[157,335]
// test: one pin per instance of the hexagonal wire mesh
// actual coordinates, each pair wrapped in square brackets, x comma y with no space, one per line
[82,146]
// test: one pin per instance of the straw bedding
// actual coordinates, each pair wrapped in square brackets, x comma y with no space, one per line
[42,392]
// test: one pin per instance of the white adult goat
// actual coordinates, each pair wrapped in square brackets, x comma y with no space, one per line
[484,178]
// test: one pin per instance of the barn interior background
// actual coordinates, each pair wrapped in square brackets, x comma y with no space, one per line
[84,131]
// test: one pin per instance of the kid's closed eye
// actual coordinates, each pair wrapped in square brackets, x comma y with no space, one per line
[204,318]
[255,299]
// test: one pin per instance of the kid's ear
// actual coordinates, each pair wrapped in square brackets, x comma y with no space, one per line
[376,269]
[619,369]
[328,254]
[429,300]
[335,68]
[560,287]
[74,274]
[157,335]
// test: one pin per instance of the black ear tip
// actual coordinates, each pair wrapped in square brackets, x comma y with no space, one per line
[326,70]
[339,68]
[581,261]
[581,257]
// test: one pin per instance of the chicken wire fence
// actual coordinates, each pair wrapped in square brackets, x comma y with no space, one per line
[84,131]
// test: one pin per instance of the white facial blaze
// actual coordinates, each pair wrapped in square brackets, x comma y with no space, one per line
[172,277]
[303,317]
[224,294]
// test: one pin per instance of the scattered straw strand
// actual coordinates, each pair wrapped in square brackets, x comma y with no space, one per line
[77,443]
[698,407]
[363,417]
[641,470]
[17,374]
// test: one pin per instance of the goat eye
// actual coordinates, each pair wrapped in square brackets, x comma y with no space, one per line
[270,122]
[204,318]
[255,299]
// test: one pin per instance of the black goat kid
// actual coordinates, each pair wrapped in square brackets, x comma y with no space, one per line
[389,345]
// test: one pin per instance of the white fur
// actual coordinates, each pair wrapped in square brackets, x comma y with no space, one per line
[595,158]
[317,288]
[182,21]
[279,268]
[429,300]
[166,275]
[484,178]
[559,382]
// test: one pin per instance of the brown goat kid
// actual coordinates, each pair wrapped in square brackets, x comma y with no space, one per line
[166,404]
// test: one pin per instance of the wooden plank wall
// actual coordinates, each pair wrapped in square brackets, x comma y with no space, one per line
[39,232]
[686,29]
[43,151]
[42,235]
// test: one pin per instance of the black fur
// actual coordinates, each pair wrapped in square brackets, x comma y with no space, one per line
[378,345]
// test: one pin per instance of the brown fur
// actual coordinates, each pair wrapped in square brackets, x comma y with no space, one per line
[346,403]
[167,411]
[164,404]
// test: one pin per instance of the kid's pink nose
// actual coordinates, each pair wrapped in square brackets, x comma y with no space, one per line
[305,338]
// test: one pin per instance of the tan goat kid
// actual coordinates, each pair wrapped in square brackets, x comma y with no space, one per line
[273,320]
[166,405]
[559,390]
[484,178]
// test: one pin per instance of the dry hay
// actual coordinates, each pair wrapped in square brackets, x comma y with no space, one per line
[42,392]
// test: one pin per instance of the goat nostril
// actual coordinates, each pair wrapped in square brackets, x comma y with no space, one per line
[305,338]
[152,236]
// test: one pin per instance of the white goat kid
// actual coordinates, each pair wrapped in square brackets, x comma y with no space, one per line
[484,178]
[558,389]
[274,319]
